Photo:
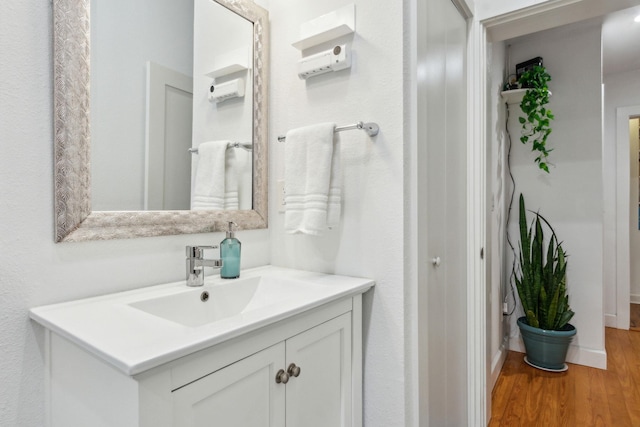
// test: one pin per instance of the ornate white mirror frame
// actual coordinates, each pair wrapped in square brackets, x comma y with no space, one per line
[74,219]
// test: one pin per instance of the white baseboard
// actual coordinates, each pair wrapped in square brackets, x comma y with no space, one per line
[578,355]
[635,298]
[611,320]
[496,364]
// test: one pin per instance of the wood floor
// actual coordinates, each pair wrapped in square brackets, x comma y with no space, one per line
[582,396]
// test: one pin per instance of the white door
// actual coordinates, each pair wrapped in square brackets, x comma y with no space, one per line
[442,294]
[244,394]
[169,129]
[634,210]
[625,208]
[320,396]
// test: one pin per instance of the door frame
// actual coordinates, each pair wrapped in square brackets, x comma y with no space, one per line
[623,253]
[478,364]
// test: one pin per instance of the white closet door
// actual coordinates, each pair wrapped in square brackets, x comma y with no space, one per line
[443,295]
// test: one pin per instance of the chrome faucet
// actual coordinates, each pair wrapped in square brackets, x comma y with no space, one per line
[196,264]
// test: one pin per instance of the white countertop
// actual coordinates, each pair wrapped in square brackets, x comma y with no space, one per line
[134,341]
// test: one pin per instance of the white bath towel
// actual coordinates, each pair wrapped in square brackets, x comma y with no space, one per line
[312,180]
[231,181]
[216,184]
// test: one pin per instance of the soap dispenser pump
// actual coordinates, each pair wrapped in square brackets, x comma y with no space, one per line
[230,254]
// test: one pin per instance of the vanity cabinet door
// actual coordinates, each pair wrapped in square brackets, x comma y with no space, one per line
[243,394]
[320,396]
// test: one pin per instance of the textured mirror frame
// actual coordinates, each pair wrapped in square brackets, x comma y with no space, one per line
[74,220]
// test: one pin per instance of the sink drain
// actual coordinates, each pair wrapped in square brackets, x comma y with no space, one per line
[204,297]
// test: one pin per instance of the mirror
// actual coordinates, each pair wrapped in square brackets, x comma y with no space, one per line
[75,218]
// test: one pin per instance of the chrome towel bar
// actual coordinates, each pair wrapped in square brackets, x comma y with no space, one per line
[244,145]
[370,128]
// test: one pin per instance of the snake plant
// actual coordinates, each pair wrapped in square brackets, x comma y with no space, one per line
[541,281]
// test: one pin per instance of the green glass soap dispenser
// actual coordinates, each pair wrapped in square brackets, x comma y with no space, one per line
[230,254]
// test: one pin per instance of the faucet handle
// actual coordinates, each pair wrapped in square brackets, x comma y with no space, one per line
[196,251]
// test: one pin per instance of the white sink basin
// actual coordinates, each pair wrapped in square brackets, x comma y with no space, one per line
[141,329]
[210,303]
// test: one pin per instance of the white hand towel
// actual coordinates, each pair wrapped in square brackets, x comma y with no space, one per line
[312,180]
[215,187]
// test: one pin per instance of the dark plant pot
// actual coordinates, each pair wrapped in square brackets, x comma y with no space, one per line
[546,349]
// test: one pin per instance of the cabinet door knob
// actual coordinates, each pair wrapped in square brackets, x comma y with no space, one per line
[293,370]
[282,377]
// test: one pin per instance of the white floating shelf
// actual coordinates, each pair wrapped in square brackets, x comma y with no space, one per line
[331,34]
[514,96]
[230,62]
[227,69]
[330,26]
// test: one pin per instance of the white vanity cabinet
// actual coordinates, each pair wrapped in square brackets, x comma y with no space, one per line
[321,394]
[247,393]
[231,384]
[278,347]
[242,394]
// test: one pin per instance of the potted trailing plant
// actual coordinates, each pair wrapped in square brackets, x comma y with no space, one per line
[537,117]
[541,284]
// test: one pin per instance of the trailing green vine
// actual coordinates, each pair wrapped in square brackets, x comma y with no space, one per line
[536,123]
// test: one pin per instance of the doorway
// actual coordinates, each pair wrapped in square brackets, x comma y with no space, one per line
[168,137]
[634,223]
[627,211]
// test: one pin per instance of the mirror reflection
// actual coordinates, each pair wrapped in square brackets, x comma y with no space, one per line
[163,83]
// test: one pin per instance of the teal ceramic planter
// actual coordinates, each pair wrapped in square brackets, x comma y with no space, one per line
[546,349]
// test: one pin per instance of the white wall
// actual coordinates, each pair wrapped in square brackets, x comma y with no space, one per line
[124,36]
[35,271]
[571,196]
[620,90]
[369,241]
